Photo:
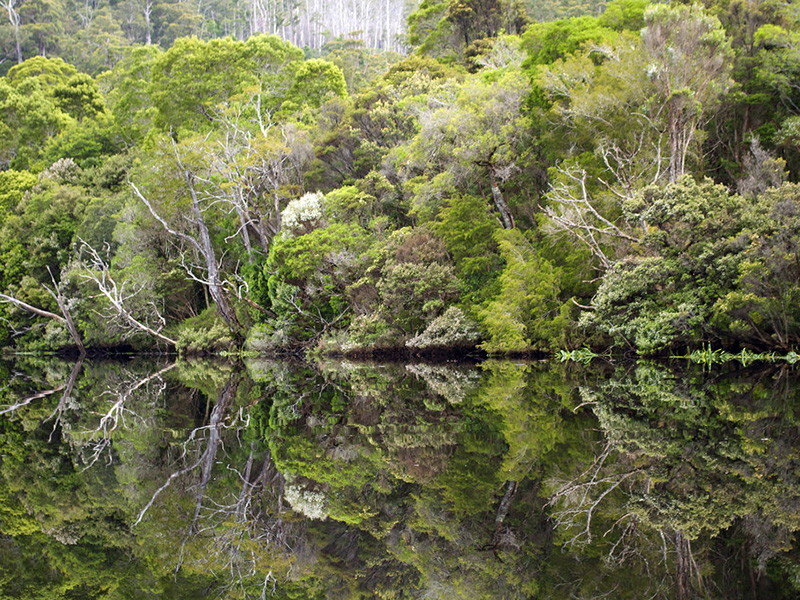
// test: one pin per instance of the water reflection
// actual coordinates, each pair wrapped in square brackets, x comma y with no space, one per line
[351,480]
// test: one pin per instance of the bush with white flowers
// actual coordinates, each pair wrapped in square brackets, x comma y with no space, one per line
[303,215]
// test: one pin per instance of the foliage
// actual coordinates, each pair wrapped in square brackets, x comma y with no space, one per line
[514,166]
[203,333]
[453,329]
[699,232]
[527,313]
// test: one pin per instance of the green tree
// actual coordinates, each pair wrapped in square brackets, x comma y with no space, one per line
[661,295]
[79,97]
[691,62]
[527,312]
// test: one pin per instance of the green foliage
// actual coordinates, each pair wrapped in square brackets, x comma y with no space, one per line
[548,42]
[416,172]
[315,81]
[49,72]
[368,333]
[761,309]
[204,333]
[28,119]
[79,97]
[127,91]
[712,265]
[13,184]
[417,282]
[181,95]
[527,313]
[360,66]
[193,79]
[414,293]
[468,231]
[311,274]
[89,142]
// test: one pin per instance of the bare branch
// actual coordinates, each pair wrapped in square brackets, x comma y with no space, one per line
[160,219]
[5,298]
[99,272]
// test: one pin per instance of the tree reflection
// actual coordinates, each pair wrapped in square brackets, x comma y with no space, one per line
[344,480]
[693,467]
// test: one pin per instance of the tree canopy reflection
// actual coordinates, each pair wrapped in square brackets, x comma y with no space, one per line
[351,480]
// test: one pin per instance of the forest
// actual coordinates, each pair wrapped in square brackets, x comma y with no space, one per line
[459,175]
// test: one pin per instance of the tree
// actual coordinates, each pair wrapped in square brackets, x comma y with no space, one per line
[473,136]
[527,312]
[257,163]
[65,318]
[691,63]
[144,316]
[29,114]
[79,97]
[314,82]
[660,294]
[761,308]
[192,228]
[127,93]
[193,78]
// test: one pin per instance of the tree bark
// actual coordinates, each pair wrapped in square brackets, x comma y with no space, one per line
[500,202]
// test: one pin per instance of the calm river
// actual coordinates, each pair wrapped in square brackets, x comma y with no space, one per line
[267,479]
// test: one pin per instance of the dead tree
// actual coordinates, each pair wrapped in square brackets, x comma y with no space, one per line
[200,241]
[119,296]
[65,318]
[114,417]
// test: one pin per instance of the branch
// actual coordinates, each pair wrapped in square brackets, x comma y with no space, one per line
[108,288]
[5,299]
[56,294]
[31,398]
[160,219]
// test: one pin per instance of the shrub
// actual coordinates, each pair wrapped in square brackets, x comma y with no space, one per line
[204,333]
[453,329]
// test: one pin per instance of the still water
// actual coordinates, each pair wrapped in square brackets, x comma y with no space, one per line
[160,479]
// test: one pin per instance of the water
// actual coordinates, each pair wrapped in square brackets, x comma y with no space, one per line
[270,479]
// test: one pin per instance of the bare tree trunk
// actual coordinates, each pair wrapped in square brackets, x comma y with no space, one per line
[5,298]
[502,511]
[499,201]
[148,27]
[13,18]
[226,396]
[59,298]
[215,286]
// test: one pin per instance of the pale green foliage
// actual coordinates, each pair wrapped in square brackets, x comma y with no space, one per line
[450,382]
[28,119]
[13,184]
[204,333]
[49,72]
[470,135]
[311,503]
[452,329]
[369,332]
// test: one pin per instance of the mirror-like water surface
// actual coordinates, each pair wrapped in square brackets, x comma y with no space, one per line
[148,479]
